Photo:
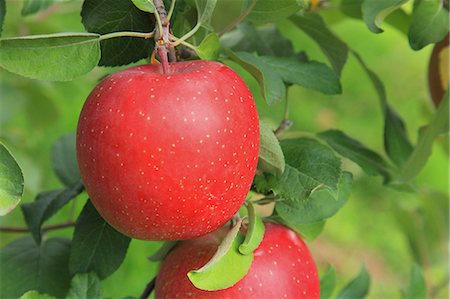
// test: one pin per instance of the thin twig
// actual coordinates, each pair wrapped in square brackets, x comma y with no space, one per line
[239,19]
[148,289]
[10,229]
[286,123]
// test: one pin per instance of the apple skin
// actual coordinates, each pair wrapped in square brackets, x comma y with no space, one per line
[282,268]
[438,72]
[168,156]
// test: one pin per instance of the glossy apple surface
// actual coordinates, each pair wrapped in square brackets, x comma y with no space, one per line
[168,156]
[282,268]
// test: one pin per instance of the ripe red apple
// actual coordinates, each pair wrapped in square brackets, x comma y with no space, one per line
[168,156]
[438,73]
[282,268]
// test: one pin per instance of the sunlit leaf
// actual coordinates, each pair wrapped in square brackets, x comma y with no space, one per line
[55,57]
[271,158]
[255,231]
[226,267]
[11,181]
[374,12]
[429,25]
[85,286]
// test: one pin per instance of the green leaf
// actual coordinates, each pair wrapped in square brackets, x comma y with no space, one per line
[35,295]
[371,162]
[11,181]
[255,232]
[103,17]
[271,158]
[327,283]
[351,8]
[396,142]
[422,151]
[268,11]
[271,84]
[85,286]
[429,25]
[417,287]
[2,14]
[310,74]
[264,40]
[45,206]
[321,203]
[226,267]
[145,5]
[357,288]
[96,246]
[34,6]
[334,49]
[29,266]
[374,12]
[56,57]
[209,48]
[163,251]
[64,160]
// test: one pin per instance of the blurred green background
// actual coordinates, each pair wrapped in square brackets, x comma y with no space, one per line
[381,228]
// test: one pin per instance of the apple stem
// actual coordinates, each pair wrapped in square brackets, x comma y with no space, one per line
[148,289]
[163,47]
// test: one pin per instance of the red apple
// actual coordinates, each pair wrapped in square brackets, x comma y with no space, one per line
[282,268]
[168,156]
[438,73]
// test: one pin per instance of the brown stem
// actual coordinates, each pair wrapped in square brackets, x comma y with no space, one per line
[239,19]
[162,40]
[148,289]
[9,229]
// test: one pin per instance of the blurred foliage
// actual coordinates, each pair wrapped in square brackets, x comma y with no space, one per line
[384,229]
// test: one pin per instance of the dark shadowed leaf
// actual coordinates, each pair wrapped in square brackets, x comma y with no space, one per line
[374,12]
[271,84]
[96,246]
[265,40]
[335,49]
[2,14]
[396,141]
[327,283]
[430,24]
[42,56]
[358,288]
[29,266]
[85,286]
[309,74]
[321,203]
[103,17]
[267,11]
[271,158]
[312,187]
[46,205]
[371,162]
[11,181]
[64,160]
[226,267]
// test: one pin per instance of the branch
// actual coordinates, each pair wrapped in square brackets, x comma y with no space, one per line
[148,289]
[10,229]
[239,19]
